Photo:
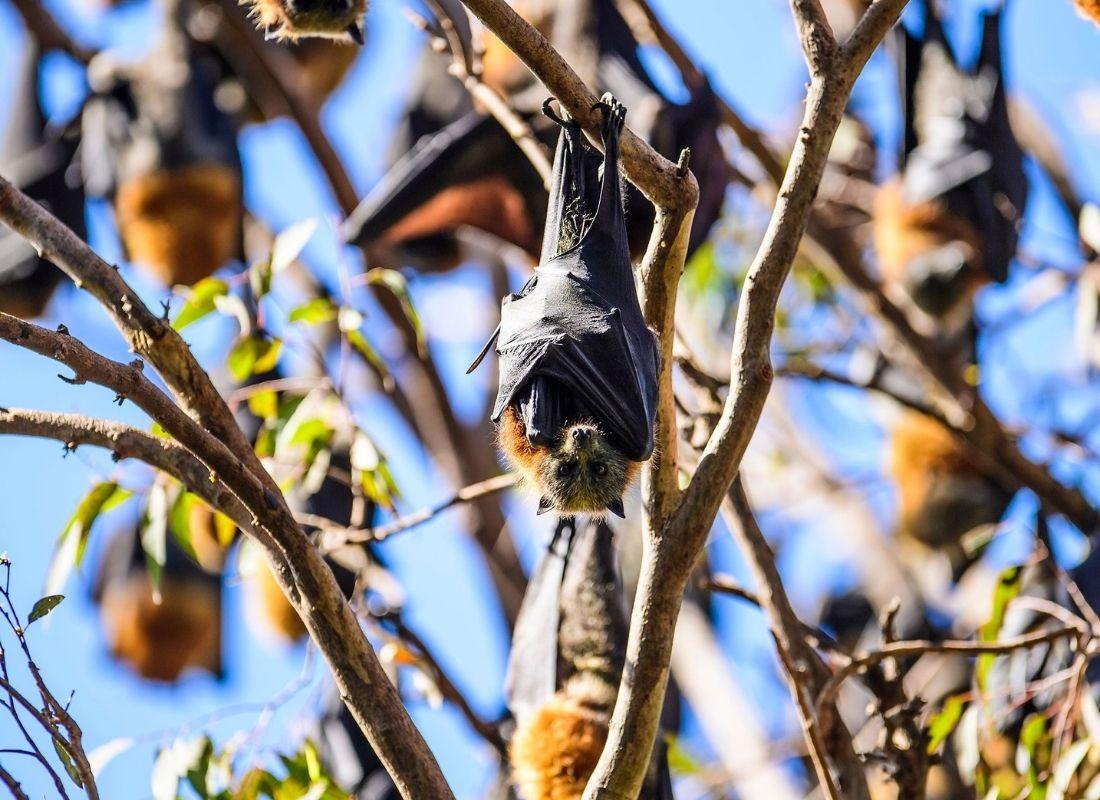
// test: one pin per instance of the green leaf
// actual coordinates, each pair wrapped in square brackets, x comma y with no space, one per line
[264,404]
[1008,587]
[67,762]
[359,342]
[200,301]
[396,283]
[73,541]
[154,535]
[259,279]
[680,761]
[158,430]
[44,606]
[944,721]
[290,243]
[179,521]
[314,312]
[252,355]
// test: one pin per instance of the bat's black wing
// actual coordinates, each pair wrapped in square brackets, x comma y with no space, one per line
[39,161]
[533,661]
[958,145]
[470,150]
[573,344]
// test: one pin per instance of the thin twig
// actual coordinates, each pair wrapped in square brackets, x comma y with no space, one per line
[918,647]
[337,536]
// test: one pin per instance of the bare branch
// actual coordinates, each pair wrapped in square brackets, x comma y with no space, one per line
[920,647]
[806,674]
[298,566]
[44,28]
[337,536]
[815,35]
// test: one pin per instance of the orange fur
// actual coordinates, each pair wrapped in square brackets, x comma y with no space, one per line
[556,749]
[500,67]
[512,438]
[278,613]
[920,450]
[1089,9]
[182,223]
[902,231]
[205,538]
[162,640]
[492,204]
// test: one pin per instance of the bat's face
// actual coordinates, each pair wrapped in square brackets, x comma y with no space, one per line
[584,473]
[293,19]
[581,473]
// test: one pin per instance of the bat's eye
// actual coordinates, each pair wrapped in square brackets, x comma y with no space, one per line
[599,469]
[565,470]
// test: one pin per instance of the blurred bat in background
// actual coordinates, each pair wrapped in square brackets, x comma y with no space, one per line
[950,222]
[578,365]
[40,162]
[567,657]
[333,501]
[160,637]
[156,144]
[944,493]
[471,173]
[1089,9]
[295,19]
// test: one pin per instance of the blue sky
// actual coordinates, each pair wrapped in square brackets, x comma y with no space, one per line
[749,49]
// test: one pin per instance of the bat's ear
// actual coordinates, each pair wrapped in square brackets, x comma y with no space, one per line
[616,508]
[545,504]
[356,33]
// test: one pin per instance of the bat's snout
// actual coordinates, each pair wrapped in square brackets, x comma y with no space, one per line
[582,435]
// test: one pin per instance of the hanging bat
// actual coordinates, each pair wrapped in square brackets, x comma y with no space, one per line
[1090,9]
[158,146]
[352,762]
[471,174]
[39,161]
[291,20]
[568,650]
[159,638]
[578,367]
[950,222]
[333,500]
[944,493]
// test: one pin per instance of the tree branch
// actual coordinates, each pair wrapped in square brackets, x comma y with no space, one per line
[806,674]
[673,547]
[299,567]
[826,709]
[123,441]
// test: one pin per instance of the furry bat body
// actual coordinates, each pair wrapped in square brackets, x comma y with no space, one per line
[567,657]
[40,163]
[158,146]
[944,493]
[443,183]
[950,222]
[577,365]
[160,638]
